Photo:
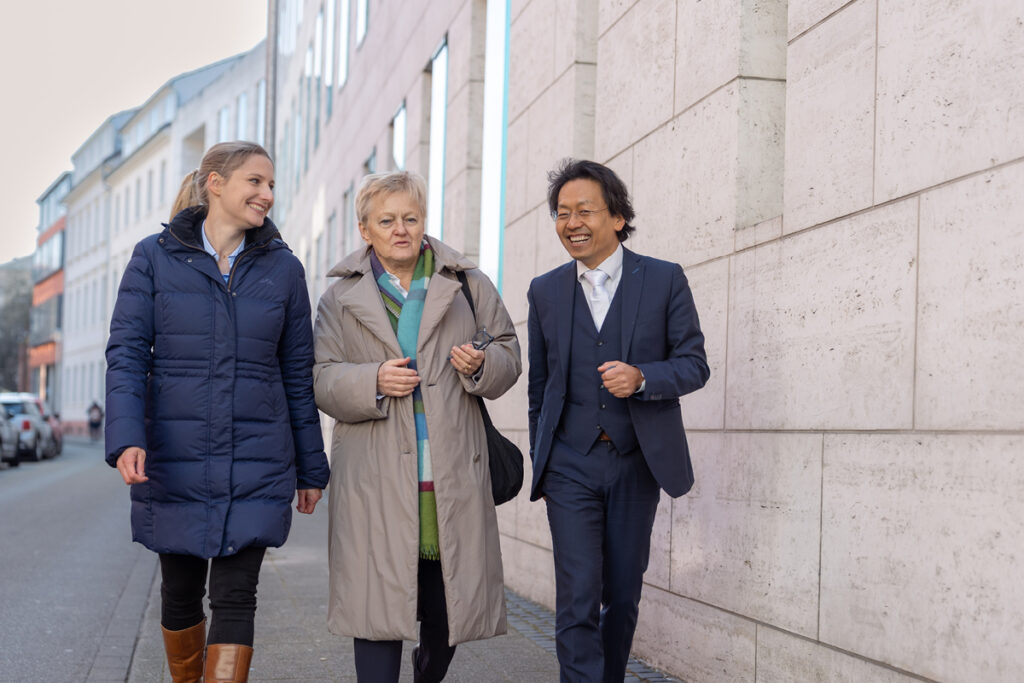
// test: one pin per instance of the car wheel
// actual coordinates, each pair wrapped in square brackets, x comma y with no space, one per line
[37,452]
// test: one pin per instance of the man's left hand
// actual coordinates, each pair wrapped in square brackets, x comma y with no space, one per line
[620,379]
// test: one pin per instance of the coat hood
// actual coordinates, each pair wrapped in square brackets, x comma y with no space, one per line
[358,262]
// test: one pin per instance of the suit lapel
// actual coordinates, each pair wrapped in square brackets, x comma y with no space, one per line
[565,300]
[630,288]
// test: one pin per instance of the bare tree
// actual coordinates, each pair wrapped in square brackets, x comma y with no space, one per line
[15,305]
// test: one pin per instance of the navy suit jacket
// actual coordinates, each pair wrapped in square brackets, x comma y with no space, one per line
[660,335]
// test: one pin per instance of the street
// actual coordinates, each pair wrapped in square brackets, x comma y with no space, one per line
[73,586]
[80,601]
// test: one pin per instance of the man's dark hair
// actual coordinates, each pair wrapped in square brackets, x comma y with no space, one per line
[613,190]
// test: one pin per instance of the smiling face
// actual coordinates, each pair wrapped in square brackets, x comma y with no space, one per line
[591,239]
[244,198]
[394,228]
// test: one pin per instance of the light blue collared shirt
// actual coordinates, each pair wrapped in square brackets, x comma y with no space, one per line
[213,252]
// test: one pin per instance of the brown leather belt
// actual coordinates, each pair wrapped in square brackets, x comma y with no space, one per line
[603,436]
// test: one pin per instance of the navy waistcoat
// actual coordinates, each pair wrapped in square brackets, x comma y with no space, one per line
[589,407]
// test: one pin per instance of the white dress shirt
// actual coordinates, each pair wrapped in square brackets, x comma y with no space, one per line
[612,267]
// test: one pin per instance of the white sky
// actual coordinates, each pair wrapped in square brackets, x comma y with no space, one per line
[66,65]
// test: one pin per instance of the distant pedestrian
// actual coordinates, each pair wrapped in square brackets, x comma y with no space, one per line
[413,533]
[95,415]
[211,418]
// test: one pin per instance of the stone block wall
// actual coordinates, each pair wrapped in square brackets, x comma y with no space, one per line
[842,183]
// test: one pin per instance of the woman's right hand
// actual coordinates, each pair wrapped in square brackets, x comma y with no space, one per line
[132,465]
[395,379]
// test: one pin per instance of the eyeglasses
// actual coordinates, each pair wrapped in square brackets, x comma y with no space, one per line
[482,339]
[582,214]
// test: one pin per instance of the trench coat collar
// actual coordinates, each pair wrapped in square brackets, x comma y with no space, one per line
[364,301]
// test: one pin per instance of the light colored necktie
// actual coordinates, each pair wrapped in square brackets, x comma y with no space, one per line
[599,298]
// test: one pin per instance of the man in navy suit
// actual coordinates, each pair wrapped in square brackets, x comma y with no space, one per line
[614,341]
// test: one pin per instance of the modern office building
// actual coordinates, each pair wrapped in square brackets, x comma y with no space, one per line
[841,182]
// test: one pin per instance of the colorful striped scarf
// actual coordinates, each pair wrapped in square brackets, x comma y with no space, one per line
[404,312]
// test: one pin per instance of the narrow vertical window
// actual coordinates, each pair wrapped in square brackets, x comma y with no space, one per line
[344,11]
[362,19]
[138,198]
[398,138]
[163,182]
[309,109]
[492,174]
[438,141]
[318,57]
[243,116]
[149,191]
[332,238]
[261,111]
[224,125]
[329,27]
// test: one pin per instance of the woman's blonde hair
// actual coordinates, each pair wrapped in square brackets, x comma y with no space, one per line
[223,158]
[377,184]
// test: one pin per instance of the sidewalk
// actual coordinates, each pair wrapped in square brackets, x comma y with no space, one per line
[293,643]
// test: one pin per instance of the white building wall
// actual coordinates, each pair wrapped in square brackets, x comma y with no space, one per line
[841,182]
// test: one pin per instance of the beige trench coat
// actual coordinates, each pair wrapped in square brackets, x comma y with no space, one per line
[373,495]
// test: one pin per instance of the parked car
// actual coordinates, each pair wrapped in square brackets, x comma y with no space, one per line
[54,421]
[8,441]
[35,435]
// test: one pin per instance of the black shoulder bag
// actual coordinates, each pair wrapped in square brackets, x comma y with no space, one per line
[504,457]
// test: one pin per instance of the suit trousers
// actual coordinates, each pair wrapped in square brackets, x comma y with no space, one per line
[233,581]
[379,661]
[601,508]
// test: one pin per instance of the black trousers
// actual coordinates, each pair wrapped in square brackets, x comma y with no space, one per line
[379,661]
[601,507]
[233,581]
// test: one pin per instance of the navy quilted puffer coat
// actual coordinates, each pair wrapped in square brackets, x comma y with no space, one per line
[214,381]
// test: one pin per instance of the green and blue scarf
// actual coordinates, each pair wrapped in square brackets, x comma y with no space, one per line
[405,312]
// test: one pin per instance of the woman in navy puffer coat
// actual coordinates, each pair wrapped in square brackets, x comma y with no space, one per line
[210,411]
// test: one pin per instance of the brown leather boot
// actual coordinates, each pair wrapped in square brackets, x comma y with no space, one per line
[184,650]
[227,663]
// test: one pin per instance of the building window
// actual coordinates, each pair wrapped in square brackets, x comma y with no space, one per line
[438,141]
[138,198]
[318,57]
[127,205]
[163,182]
[332,239]
[308,75]
[329,58]
[149,191]
[243,116]
[224,125]
[349,222]
[362,19]
[398,138]
[261,111]
[492,174]
[117,213]
[344,11]
[370,165]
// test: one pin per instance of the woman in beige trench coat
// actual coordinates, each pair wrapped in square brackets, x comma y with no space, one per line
[381,578]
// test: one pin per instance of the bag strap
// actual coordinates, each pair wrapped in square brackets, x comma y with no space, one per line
[461,274]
